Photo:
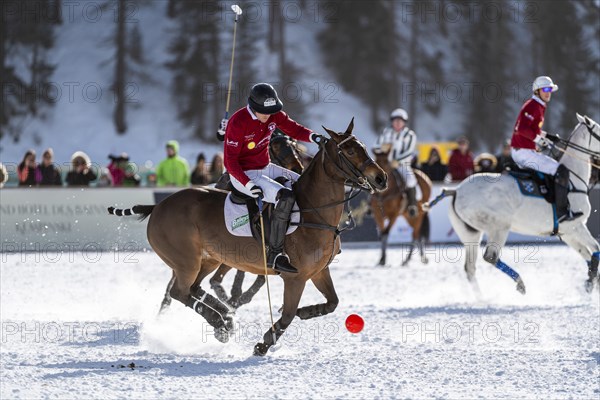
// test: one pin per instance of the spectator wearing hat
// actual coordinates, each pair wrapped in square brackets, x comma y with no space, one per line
[81,173]
[48,171]
[117,167]
[461,164]
[200,175]
[485,162]
[3,175]
[173,170]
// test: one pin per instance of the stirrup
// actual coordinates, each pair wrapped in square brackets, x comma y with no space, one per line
[281,263]
[570,216]
[413,211]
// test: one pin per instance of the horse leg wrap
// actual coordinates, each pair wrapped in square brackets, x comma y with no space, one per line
[211,309]
[236,289]
[593,268]
[507,270]
[252,290]
[314,311]
[269,339]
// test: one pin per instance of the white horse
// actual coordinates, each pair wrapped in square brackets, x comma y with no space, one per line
[493,204]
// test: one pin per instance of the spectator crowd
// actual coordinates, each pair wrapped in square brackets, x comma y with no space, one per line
[175,171]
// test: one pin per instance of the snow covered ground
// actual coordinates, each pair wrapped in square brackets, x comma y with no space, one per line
[85,326]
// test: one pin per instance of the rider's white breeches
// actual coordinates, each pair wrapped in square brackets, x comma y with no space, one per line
[527,158]
[265,178]
[408,175]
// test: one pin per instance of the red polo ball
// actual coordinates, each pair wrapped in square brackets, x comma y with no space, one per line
[355,323]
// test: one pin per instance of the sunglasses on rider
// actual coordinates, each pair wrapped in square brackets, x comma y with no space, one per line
[546,89]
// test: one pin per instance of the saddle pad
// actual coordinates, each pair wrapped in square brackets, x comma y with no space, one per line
[237,219]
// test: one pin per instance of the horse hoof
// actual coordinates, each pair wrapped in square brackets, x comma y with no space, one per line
[222,335]
[520,286]
[589,286]
[260,349]
[425,261]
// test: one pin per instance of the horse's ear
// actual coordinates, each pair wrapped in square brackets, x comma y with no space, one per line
[350,127]
[331,133]
[580,118]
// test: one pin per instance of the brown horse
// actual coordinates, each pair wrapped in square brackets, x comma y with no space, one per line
[187,231]
[389,204]
[283,152]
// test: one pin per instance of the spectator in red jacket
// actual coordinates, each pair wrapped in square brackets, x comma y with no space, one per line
[247,137]
[117,167]
[461,161]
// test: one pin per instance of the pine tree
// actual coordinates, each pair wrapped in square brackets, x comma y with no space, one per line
[26,41]
[360,48]
[195,52]
[567,55]
[486,56]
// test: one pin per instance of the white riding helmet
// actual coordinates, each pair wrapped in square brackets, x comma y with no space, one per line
[544,82]
[399,113]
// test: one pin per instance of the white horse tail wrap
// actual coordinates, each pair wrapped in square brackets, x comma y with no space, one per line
[493,204]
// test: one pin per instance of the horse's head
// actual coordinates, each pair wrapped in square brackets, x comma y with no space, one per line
[593,130]
[352,160]
[283,152]
[382,154]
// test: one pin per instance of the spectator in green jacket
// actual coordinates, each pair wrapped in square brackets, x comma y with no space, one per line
[173,170]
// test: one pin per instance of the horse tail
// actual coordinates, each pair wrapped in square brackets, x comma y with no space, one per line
[445,193]
[141,210]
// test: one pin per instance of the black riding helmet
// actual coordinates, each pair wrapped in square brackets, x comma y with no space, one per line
[263,99]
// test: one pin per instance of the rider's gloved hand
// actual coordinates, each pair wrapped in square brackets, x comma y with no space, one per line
[316,138]
[222,128]
[542,141]
[255,190]
[552,137]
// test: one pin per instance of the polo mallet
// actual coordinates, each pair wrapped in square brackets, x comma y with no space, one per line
[238,11]
[264,252]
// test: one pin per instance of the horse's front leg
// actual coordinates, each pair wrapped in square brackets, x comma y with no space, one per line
[216,282]
[292,292]
[324,284]
[167,299]
[245,297]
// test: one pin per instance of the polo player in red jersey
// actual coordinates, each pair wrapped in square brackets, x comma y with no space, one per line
[247,135]
[528,135]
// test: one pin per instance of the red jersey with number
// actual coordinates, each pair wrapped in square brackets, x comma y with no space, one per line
[247,140]
[529,124]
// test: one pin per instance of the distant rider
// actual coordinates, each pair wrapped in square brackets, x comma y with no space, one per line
[401,142]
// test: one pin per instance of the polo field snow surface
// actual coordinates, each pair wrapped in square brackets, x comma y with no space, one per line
[85,326]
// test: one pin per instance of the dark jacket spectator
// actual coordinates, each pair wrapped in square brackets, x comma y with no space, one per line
[80,174]
[200,175]
[435,170]
[460,165]
[505,160]
[27,170]
[117,167]
[50,174]
[216,168]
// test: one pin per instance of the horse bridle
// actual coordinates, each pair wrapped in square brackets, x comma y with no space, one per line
[356,175]
[594,156]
